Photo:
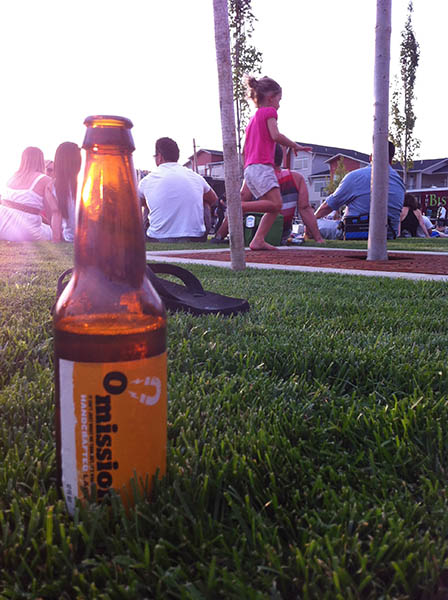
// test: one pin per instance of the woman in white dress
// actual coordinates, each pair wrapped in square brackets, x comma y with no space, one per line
[22,203]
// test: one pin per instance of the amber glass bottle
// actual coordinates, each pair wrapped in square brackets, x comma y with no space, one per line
[110,334]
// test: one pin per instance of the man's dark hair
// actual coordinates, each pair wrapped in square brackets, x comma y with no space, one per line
[168,149]
[391,151]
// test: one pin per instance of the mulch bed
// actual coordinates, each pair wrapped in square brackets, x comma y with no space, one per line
[430,264]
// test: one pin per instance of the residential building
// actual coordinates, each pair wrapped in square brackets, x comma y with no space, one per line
[319,165]
[427,174]
[208,162]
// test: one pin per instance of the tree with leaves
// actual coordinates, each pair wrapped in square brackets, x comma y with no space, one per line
[402,107]
[246,59]
[339,173]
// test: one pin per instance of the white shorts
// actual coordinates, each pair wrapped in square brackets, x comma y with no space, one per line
[260,179]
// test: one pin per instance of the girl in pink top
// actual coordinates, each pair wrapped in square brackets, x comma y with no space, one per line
[259,175]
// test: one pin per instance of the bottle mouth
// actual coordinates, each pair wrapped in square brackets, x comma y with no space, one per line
[108,121]
[108,131]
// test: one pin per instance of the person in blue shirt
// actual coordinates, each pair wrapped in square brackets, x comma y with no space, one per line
[354,192]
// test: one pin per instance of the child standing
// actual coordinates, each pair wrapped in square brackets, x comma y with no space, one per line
[261,135]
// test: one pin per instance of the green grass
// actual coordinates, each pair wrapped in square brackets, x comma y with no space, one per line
[307,446]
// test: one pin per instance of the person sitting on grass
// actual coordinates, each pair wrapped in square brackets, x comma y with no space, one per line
[22,204]
[354,191]
[177,198]
[439,230]
[62,191]
[411,218]
[329,225]
[295,197]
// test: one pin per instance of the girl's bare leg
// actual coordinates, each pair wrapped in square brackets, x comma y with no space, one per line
[271,203]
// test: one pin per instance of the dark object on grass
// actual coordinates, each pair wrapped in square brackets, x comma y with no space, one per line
[190,297]
[357,228]
[217,240]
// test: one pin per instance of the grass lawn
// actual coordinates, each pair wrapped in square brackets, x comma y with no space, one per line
[307,445]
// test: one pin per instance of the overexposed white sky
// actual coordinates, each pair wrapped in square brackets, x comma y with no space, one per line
[154,62]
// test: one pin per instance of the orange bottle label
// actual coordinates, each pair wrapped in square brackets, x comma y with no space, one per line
[113,425]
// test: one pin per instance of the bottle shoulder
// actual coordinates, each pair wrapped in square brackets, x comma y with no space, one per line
[93,303]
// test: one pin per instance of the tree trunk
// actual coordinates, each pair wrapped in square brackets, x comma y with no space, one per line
[231,163]
[377,244]
[405,166]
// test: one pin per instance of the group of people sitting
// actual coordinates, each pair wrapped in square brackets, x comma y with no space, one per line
[39,201]
[353,195]
[415,224]
[39,206]
[180,201]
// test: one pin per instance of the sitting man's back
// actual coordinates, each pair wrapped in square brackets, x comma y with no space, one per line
[175,197]
[354,192]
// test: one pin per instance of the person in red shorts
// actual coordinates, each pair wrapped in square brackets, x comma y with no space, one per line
[295,196]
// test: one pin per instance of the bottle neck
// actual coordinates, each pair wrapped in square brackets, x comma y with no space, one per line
[110,235]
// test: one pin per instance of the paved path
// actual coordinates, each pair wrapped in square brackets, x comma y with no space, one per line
[194,257]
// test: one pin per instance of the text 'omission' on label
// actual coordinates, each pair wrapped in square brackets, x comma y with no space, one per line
[113,424]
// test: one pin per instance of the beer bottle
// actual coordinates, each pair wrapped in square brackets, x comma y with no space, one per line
[109,334]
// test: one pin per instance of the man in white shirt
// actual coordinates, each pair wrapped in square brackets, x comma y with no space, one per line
[176,198]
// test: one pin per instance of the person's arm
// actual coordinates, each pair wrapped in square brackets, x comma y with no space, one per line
[140,193]
[323,210]
[55,217]
[282,139]
[209,200]
[56,227]
[210,197]
[344,195]
[421,222]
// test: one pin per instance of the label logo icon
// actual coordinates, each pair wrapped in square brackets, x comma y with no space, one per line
[152,389]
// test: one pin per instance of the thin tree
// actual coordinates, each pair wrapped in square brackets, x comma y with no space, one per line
[402,106]
[377,242]
[231,161]
[246,59]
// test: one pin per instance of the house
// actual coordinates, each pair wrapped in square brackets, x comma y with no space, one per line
[209,163]
[318,167]
[427,174]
